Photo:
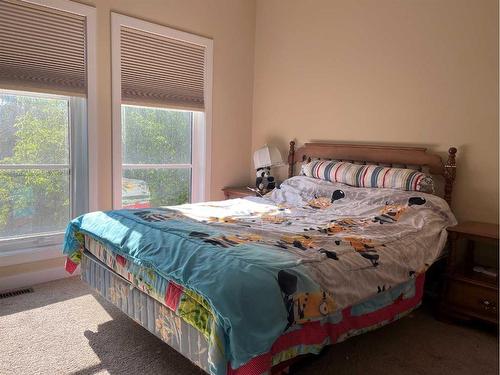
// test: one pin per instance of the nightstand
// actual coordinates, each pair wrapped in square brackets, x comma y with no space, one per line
[471,288]
[237,192]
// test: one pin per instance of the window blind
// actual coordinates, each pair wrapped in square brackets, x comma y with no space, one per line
[161,71]
[41,49]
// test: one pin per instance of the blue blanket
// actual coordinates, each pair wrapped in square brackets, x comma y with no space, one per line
[239,281]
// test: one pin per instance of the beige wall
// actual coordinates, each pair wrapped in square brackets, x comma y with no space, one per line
[387,71]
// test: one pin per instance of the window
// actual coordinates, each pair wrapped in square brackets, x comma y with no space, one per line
[36,163]
[156,153]
[161,114]
[47,121]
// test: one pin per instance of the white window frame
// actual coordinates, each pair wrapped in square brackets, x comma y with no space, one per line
[202,121]
[76,167]
[47,245]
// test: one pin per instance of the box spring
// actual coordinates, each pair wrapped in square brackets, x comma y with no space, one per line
[146,311]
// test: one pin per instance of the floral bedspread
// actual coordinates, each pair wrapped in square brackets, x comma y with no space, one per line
[262,267]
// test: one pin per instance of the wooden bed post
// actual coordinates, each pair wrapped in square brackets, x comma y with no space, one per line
[291,159]
[450,172]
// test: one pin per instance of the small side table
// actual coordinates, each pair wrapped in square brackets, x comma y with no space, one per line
[470,290]
[237,192]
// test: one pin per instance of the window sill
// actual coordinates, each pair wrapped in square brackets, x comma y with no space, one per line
[30,242]
[29,254]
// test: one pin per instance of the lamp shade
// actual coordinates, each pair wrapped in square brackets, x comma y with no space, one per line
[267,156]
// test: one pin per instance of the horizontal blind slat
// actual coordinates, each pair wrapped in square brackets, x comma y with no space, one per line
[159,90]
[32,8]
[163,45]
[159,70]
[146,68]
[46,67]
[42,47]
[160,63]
[160,82]
[137,52]
[17,30]
[38,21]
[38,82]
[163,87]
[162,101]
[154,93]
[13,59]
[149,37]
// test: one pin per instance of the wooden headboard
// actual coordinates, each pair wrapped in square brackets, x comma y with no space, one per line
[411,157]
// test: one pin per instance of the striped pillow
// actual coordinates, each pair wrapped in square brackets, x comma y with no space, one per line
[305,164]
[369,175]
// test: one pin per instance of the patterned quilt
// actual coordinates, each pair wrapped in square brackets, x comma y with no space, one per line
[262,267]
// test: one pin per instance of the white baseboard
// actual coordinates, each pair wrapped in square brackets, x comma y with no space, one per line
[32,278]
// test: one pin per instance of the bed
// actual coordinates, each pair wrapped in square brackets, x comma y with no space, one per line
[246,286]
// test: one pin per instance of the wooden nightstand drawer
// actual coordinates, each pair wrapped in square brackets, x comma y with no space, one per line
[471,287]
[475,299]
[237,192]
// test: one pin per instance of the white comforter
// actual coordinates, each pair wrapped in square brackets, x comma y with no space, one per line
[353,241]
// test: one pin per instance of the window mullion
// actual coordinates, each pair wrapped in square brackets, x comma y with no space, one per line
[78,157]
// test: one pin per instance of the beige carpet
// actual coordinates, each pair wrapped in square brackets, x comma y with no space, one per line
[62,328]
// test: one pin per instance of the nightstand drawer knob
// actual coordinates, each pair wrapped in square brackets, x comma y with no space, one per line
[488,305]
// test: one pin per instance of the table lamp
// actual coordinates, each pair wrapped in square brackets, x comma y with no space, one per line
[264,158]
